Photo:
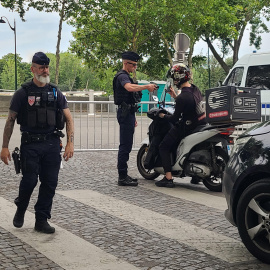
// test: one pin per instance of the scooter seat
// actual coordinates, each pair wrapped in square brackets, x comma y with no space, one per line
[209,127]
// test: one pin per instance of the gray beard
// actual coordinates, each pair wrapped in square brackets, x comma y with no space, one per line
[42,79]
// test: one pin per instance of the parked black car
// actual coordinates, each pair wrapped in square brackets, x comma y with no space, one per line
[246,185]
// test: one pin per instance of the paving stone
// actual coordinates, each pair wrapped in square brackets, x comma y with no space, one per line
[138,246]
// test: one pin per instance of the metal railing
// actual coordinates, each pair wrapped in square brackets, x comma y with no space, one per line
[96,126]
[97,129]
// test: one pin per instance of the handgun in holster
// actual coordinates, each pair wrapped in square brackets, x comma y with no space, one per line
[17,160]
[59,133]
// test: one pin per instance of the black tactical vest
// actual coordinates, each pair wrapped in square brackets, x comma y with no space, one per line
[40,111]
[122,95]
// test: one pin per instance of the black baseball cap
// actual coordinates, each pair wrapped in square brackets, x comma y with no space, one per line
[41,58]
[131,56]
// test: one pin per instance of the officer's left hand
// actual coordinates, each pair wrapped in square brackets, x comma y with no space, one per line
[161,115]
[136,123]
[5,155]
[69,151]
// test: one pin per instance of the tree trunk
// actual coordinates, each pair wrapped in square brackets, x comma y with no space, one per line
[216,55]
[134,49]
[71,85]
[167,49]
[58,42]
[237,43]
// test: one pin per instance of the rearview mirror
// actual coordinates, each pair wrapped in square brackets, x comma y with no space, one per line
[155,98]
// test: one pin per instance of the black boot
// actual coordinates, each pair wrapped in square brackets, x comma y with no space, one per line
[18,219]
[132,179]
[44,227]
[195,180]
[127,181]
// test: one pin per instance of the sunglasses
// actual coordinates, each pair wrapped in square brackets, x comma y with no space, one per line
[133,64]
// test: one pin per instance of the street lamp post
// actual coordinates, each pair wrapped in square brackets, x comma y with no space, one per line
[14,30]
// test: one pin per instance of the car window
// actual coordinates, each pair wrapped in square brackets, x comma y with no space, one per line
[236,77]
[258,77]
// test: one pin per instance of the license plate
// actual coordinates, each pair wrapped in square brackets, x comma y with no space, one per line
[229,148]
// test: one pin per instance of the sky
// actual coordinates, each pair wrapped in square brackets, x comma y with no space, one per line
[39,33]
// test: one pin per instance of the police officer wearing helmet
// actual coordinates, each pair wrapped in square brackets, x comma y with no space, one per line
[188,114]
[126,96]
[40,109]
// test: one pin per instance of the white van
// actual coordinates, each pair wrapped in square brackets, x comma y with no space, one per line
[253,70]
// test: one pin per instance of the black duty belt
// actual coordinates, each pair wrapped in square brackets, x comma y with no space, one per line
[32,137]
[127,106]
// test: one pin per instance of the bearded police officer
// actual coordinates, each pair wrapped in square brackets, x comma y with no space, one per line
[40,109]
[126,95]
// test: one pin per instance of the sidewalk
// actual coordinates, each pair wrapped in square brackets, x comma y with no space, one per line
[101,226]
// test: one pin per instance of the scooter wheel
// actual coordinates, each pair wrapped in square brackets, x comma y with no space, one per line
[145,173]
[214,182]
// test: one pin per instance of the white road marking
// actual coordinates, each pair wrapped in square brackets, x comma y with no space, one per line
[65,249]
[189,195]
[220,246]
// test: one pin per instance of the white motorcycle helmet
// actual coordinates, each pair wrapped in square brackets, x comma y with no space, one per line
[180,74]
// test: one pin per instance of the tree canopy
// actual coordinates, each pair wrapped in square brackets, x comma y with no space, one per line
[104,29]
[74,75]
[226,21]
[63,7]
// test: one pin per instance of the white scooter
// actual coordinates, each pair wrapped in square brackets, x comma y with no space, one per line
[202,154]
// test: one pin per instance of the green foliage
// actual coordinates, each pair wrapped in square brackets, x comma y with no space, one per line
[76,76]
[7,71]
[22,6]
[7,78]
[104,29]
[203,75]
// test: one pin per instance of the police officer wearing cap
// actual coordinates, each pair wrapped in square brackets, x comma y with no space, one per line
[40,109]
[126,95]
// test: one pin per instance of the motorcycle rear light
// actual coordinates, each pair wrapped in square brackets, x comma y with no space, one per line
[227,131]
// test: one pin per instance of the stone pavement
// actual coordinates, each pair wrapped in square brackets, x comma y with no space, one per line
[100,226]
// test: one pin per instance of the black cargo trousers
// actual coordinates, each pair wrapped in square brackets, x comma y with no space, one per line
[171,141]
[39,160]
[127,127]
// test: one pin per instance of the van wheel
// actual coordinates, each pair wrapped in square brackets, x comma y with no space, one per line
[145,173]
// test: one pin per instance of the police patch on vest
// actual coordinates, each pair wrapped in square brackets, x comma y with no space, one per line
[31,100]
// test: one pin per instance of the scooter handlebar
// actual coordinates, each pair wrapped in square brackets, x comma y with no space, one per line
[153,113]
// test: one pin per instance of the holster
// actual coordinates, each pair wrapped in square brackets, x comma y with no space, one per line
[128,108]
[125,109]
[136,108]
[17,160]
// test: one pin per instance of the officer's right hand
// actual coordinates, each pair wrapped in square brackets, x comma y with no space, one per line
[5,155]
[151,87]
